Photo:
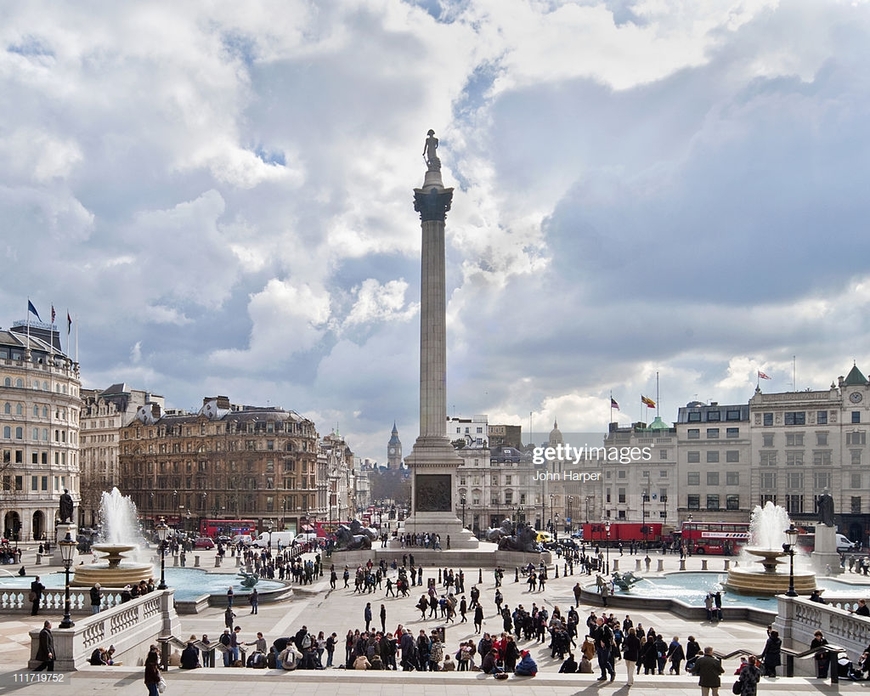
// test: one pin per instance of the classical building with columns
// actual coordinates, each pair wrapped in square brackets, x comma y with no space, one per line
[39,429]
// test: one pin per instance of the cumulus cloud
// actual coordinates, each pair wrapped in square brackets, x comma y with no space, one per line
[640,188]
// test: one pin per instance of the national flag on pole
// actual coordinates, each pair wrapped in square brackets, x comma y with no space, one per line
[613,403]
[761,375]
[68,323]
[647,401]
[53,314]
[31,308]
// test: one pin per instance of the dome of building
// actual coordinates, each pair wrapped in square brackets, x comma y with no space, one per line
[556,435]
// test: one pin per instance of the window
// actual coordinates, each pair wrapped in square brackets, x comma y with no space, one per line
[732,501]
[663,454]
[767,440]
[794,480]
[713,416]
[822,458]
[620,495]
[732,415]
[693,433]
[712,432]
[856,416]
[767,458]
[713,501]
[794,458]
[768,419]
[822,439]
[795,417]
[855,505]
[822,417]
[732,432]
[732,478]
[821,480]
[732,456]
[855,458]
[712,478]
[859,437]
[693,478]
[768,480]
[794,503]
[693,501]
[855,480]
[693,457]
[695,417]
[620,474]
[794,439]
[713,457]
[663,473]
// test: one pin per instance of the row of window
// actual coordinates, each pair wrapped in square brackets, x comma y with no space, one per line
[732,478]
[732,501]
[712,433]
[37,483]
[35,384]
[730,415]
[494,498]
[821,480]
[36,434]
[794,503]
[712,456]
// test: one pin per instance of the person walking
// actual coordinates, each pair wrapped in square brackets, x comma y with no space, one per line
[152,671]
[478,619]
[45,649]
[255,601]
[36,590]
[631,653]
[367,615]
[749,676]
[676,655]
[383,619]
[709,671]
[603,637]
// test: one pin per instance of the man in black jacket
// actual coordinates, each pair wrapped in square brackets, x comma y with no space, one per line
[603,637]
[45,651]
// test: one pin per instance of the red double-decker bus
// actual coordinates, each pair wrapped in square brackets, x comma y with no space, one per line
[715,538]
[625,532]
[230,528]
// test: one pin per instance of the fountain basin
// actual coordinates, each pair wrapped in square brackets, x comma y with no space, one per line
[112,570]
[771,579]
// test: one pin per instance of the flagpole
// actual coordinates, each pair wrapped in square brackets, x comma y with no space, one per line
[657,394]
[611,411]
[77,338]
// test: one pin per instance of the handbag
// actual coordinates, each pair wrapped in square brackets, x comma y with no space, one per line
[32,596]
[161,685]
[737,687]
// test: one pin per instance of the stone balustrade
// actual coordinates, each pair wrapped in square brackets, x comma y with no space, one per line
[130,627]
[53,600]
[798,619]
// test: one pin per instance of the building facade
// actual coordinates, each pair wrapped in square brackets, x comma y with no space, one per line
[223,462]
[714,463]
[39,426]
[103,414]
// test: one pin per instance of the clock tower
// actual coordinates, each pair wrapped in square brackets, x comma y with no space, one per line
[394,450]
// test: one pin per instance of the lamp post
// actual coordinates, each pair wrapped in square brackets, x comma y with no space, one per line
[67,550]
[569,521]
[550,526]
[791,535]
[463,513]
[588,498]
[162,532]
[269,529]
[607,531]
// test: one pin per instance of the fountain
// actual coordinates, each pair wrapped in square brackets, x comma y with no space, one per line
[766,537]
[120,536]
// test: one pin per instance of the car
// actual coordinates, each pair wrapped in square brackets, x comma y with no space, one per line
[203,543]
[223,539]
[844,544]
[544,538]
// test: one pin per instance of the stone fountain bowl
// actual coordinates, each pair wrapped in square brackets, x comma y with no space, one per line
[113,570]
[772,579]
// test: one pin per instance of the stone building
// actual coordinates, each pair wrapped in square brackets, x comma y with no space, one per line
[507,435]
[39,429]
[103,413]
[337,461]
[224,462]
[715,462]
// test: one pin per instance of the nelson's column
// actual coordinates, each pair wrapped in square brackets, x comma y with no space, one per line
[433,462]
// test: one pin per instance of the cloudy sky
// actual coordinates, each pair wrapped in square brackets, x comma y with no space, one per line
[221,196]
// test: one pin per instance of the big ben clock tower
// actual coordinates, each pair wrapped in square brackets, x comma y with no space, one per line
[394,450]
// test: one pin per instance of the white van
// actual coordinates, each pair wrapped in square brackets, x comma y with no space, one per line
[844,544]
[305,537]
[282,538]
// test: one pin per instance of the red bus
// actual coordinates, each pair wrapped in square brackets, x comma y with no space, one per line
[594,532]
[213,528]
[715,538]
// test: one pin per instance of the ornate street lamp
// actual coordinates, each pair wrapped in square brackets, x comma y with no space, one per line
[463,512]
[162,532]
[67,551]
[551,525]
[791,535]
[269,529]
[607,531]
[569,521]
